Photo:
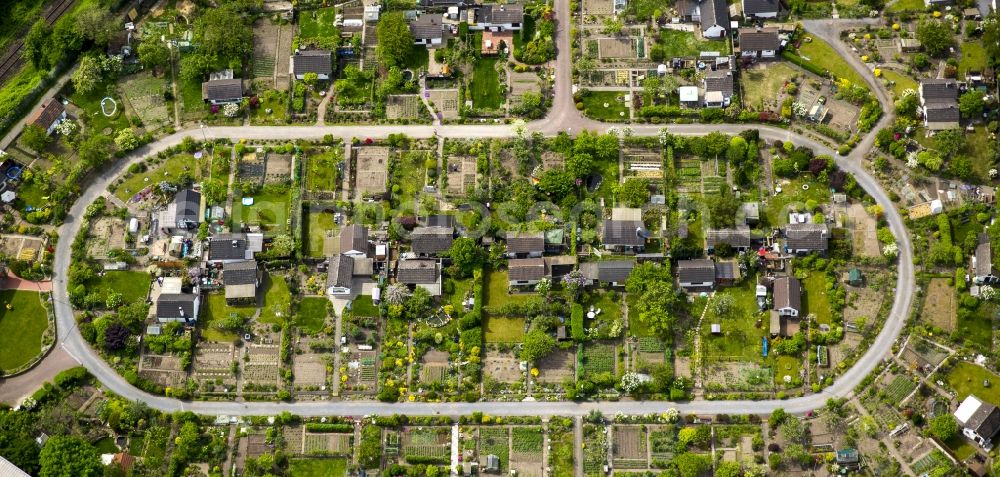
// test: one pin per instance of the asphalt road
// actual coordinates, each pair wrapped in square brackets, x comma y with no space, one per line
[563,117]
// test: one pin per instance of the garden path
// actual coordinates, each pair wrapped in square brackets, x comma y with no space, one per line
[578,446]
[13,282]
[336,356]
[892,449]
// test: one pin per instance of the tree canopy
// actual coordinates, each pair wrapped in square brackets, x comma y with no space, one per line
[394,39]
[69,456]
[935,36]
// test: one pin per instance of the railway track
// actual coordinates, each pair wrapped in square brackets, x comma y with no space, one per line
[12,59]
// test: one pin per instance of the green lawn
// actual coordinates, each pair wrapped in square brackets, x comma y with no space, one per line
[269,210]
[960,446]
[417,58]
[907,6]
[134,286]
[973,57]
[901,82]
[321,170]
[192,104]
[978,144]
[503,330]
[636,326]
[317,467]
[610,308]
[740,339]
[169,169]
[485,89]
[276,102]
[363,306]
[777,207]
[214,311]
[497,284]
[605,105]
[461,288]
[317,23]
[21,327]
[318,225]
[311,317]
[976,326]
[814,298]
[277,300]
[786,366]
[763,84]
[677,43]
[820,53]
[967,378]
[94,119]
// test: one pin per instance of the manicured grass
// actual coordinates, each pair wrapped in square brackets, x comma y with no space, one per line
[764,84]
[277,300]
[605,301]
[820,53]
[960,446]
[461,288]
[967,378]
[317,23]
[363,306]
[169,169]
[216,310]
[318,225]
[418,58]
[485,88]
[503,330]
[786,366]
[978,144]
[21,327]
[677,43]
[94,119]
[134,286]
[636,326]
[496,290]
[269,210]
[814,298]
[192,104]
[792,194]
[317,467]
[740,339]
[907,6]
[311,317]
[321,170]
[594,105]
[901,82]
[973,57]
[976,327]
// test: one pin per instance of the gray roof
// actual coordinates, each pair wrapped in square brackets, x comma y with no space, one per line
[243,272]
[413,272]
[427,27]
[727,270]
[431,240]
[751,7]
[176,305]
[984,257]
[188,206]
[222,90]
[624,232]
[525,242]
[814,237]
[312,61]
[759,39]
[696,271]
[714,13]
[939,91]
[985,421]
[340,271]
[501,14]
[939,113]
[608,270]
[721,81]
[737,238]
[228,246]
[787,293]
[354,237]
[526,269]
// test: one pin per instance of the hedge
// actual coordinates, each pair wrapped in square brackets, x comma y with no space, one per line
[423,459]
[329,427]
[576,323]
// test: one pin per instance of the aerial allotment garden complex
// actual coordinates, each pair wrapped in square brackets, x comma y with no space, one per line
[693,237]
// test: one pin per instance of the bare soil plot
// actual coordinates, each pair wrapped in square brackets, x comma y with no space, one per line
[461,174]
[840,351]
[504,367]
[742,376]
[445,101]
[863,231]
[863,302]
[616,48]
[521,83]
[144,95]
[402,106]
[257,443]
[371,170]
[106,234]
[598,7]
[682,366]
[214,361]
[278,168]
[508,162]
[164,370]
[527,443]
[557,366]
[263,364]
[939,305]
[433,366]
[251,167]
[327,444]
[272,44]
[362,372]
[308,369]
[552,160]
[923,355]
[842,115]
[629,447]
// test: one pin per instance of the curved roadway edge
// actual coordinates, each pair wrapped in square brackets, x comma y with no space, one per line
[563,117]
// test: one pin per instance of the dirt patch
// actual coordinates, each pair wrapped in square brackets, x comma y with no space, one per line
[263,365]
[278,168]
[309,370]
[461,174]
[598,7]
[863,231]
[503,367]
[862,302]
[214,361]
[445,101]
[106,234]
[362,372]
[923,355]
[371,170]
[616,48]
[402,106]
[629,447]
[939,305]
[557,366]
[272,43]
[682,367]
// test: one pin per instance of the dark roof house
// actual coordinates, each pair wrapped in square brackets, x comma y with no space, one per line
[980,420]
[714,18]
[427,30]
[241,279]
[431,240]
[759,39]
[807,237]
[312,61]
[787,296]
[762,8]
[939,103]
[525,243]
[227,247]
[739,238]
[183,213]
[177,307]
[222,91]
[608,271]
[696,273]
[721,81]
[414,272]
[624,233]
[529,270]
[354,240]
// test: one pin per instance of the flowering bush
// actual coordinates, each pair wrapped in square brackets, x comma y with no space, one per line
[230,110]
